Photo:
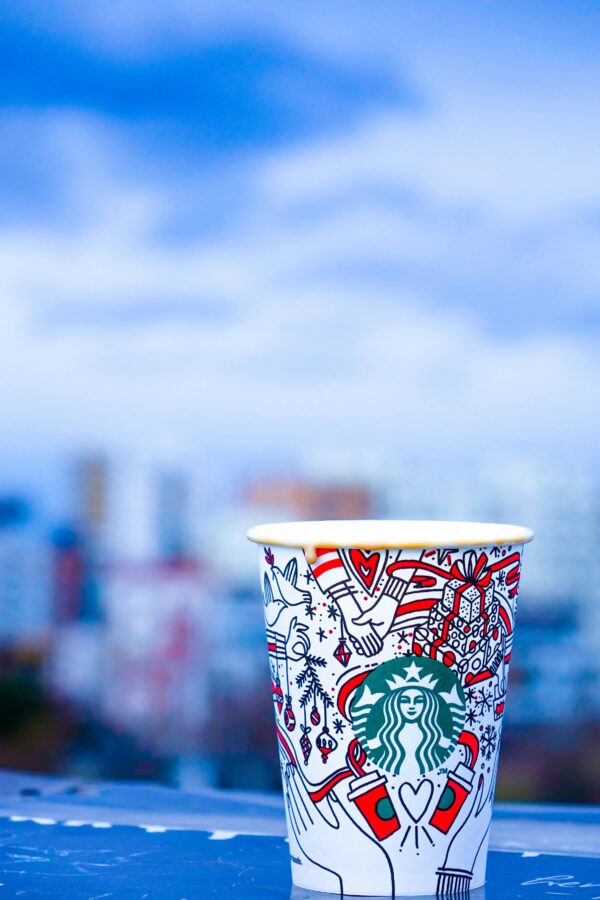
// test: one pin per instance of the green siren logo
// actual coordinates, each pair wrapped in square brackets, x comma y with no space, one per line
[408,715]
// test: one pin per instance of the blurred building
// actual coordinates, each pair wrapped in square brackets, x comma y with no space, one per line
[552,675]
[133,507]
[132,611]
[69,576]
[156,652]
[303,499]
[557,644]
[158,631]
[270,499]
[25,575]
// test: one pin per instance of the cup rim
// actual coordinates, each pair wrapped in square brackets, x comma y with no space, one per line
[387,534]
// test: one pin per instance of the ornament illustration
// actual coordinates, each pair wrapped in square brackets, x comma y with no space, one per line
[313,689]
[389,732]
[281,650]
[326,743]
[289,717]
[342,652]
[278,694]
[305,743]
[408,714]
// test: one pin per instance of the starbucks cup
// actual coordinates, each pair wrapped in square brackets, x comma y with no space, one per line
[389,645]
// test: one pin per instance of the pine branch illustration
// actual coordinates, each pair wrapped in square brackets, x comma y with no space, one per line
[319,690]
[316,660]
[306,696]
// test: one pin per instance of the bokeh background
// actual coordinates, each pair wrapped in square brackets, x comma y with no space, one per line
[262,261]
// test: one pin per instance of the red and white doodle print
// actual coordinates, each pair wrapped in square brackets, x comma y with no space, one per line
[388,675]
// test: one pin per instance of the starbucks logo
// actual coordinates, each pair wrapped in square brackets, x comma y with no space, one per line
[408,714]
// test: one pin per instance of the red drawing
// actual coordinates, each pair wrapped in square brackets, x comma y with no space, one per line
[367,566]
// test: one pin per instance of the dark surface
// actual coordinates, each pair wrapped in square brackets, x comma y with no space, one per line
[66,839]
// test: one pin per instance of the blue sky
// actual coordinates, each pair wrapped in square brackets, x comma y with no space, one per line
[251,232]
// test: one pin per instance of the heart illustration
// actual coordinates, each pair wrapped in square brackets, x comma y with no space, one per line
[416,800]
[367,566]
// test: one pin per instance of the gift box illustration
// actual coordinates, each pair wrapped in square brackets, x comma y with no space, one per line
[463,627]
[389,660]
[469,593]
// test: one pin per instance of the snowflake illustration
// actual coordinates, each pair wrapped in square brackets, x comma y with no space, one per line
[309,611]
[470,695]
[484,702]
[488,741]
[501,578]
[309,577]
[321,635]
[333,612]
[338,725]
[470,717]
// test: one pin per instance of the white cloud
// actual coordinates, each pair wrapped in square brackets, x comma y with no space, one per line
[519,163]
[302,355]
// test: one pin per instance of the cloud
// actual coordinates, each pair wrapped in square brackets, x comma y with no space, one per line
[422,282]
[92,354]
[218,95]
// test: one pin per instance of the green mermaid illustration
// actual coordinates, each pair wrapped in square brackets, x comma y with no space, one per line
[409,716]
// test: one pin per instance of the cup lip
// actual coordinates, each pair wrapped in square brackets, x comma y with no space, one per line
[387,534]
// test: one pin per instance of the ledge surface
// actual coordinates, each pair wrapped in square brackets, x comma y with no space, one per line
[62,837]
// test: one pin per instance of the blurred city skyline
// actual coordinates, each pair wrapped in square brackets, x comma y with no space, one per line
[261,263]
[134,628]
[246,235]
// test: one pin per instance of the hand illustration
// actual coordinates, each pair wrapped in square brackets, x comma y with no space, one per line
[329,838]
[364,638]
[379,616]
[470,833]
[297,643]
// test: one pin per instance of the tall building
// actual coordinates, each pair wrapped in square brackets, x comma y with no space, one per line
[91,496]
[134,648]
[25,575]
[69,574]
[133,508]
[156,652]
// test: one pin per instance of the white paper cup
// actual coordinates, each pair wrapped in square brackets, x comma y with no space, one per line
[389,645]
